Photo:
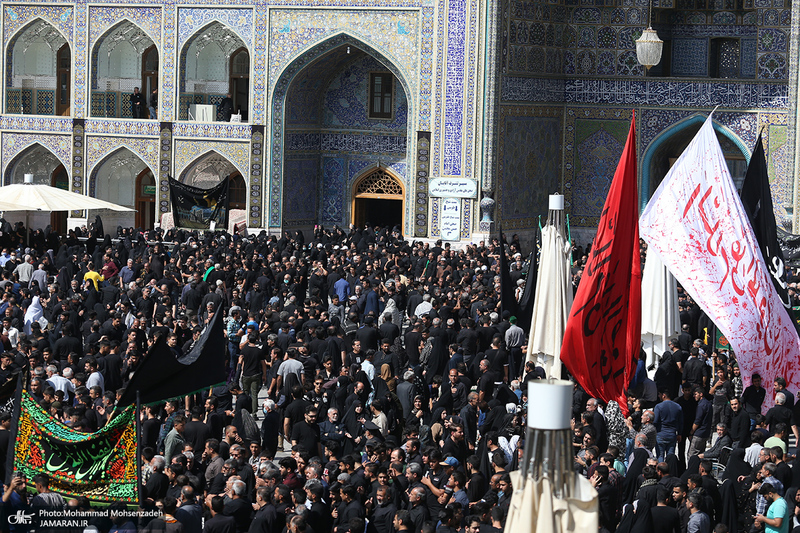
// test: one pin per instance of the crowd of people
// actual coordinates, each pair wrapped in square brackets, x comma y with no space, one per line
[374,385]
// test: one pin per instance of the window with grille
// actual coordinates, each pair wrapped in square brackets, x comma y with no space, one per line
[151,60]
[725,54]
[379,183]
[241,64]
[238,193]
[380,95]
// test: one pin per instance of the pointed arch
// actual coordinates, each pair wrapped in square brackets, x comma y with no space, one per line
[293,67]
[156,39]
[36,159]
[207,169]
[30,25]
[125,167]
[657,145]
[376,183]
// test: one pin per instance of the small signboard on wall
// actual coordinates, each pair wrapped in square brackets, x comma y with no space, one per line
[453,187]
[149,190]
[450,219]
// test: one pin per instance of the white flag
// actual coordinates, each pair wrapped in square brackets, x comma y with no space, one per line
[696,224]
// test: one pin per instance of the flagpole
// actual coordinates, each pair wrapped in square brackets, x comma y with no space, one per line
[139,449]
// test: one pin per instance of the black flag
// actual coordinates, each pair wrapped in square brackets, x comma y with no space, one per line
[196,208]
[162,376]
[507,300]
[757,202]
[525,305]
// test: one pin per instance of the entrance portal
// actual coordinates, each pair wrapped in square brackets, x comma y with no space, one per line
[378,199]
[383,213]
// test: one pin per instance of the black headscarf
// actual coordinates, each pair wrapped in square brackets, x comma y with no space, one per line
[632,481]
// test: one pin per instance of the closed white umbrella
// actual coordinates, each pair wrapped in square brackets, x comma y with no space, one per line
[660,316]
[553,293]
[549,497]
[46,198]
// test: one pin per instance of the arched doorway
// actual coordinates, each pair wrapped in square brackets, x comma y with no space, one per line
[39,62]
[378,200]
[145,199]
[344,109]
[205,67]
[149,73]
[667,147]
[240,81]
[116,179]
[118,66]
[237,192]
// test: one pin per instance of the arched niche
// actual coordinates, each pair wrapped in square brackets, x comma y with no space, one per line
[119,64]
[39,80]
[206,70]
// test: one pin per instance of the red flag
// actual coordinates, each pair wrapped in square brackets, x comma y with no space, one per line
[603,335]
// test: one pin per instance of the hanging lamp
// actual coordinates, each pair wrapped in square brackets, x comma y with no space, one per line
[649,45]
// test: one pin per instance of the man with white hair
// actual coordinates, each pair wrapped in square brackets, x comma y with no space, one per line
[25,270]
[405,392]
[62,383]
[238,505]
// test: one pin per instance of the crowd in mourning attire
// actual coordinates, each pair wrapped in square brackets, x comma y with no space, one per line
[392,399]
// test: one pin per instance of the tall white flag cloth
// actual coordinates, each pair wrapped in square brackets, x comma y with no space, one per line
[696,224]
[660,317]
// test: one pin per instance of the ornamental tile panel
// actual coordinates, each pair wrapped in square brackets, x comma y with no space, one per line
[98,148]
[394,33]
[186,152]
[103,18]
[16,143]
[16,17]
[192,19]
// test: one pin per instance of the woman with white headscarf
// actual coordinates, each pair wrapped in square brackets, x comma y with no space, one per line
[33,314]
[391,307]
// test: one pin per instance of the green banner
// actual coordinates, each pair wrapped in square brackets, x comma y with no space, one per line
[100,465]
[721,342]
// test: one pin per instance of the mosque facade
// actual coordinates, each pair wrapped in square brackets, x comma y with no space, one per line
[443,117]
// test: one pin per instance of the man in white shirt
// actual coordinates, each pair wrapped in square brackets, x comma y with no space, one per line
[60,383]
[95,378]
[10,331]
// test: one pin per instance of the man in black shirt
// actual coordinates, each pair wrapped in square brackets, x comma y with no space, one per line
[753,396]
[306,433]
[137,104]
[196,431]
[254,369]
[486,383]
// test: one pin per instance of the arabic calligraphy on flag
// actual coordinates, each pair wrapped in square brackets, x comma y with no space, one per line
[100,465]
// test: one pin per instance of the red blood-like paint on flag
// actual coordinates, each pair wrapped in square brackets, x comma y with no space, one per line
[603,335]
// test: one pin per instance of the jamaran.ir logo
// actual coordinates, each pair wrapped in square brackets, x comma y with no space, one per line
[21,518]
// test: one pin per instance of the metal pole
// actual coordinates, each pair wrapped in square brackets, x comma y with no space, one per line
[139,487]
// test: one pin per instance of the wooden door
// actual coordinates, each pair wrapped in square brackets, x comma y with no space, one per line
[149,75]
[240,81]
[60,180]
[145,199]
[63,80]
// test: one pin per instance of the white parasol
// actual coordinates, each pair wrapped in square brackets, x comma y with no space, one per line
[32,197]
[553,293]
